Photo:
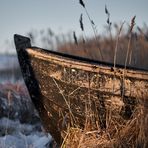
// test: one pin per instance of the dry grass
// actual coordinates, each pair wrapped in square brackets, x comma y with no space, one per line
[128,48]
[138,46]
[119,133]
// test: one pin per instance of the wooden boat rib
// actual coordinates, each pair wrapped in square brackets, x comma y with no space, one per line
[63,87]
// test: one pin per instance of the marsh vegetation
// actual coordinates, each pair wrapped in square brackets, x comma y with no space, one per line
[121,44]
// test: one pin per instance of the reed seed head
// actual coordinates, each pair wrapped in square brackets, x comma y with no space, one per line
[108,16]
[132,23]
[106,10]
[81,22]
[75,38]
[92,22]
[82,3]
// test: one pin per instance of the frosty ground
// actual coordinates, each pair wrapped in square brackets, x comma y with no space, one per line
[17,135]
[20,125]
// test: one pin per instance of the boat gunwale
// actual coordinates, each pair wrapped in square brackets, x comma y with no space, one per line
[87,60]
[86,64]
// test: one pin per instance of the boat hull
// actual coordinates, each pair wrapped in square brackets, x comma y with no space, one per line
[69,91]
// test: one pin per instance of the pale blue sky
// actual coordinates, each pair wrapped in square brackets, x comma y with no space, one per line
[21,16]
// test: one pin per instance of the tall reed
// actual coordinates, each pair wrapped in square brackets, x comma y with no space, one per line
[93,27]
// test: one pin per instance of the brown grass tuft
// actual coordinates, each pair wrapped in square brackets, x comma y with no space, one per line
[119,134]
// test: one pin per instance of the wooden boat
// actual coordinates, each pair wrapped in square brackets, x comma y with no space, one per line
[65,88]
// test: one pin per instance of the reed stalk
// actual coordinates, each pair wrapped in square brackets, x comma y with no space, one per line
[93,27]
[117,43]
[129,42]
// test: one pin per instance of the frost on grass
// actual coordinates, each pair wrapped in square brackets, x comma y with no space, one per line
[20,126]
[15,134]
